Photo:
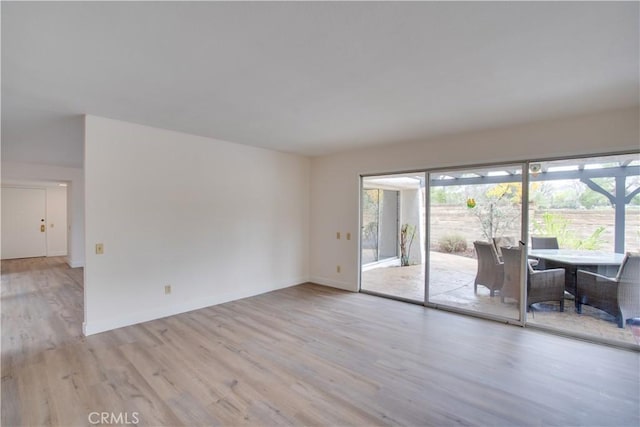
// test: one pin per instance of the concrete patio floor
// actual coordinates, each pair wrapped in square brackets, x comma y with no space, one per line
[451,284]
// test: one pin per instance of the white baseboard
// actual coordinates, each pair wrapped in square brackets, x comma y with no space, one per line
[73,263]
[57,253]
[334,283]
[103,325]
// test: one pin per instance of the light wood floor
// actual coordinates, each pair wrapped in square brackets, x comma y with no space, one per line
[306,355]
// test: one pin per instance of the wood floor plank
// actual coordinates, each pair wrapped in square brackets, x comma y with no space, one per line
[35,395]
[306,355]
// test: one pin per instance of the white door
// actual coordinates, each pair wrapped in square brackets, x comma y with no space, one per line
[23,222]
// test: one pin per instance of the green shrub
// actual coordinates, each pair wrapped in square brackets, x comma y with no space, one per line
[557,226]
[452,243]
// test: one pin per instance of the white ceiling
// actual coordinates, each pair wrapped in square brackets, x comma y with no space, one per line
[309,78]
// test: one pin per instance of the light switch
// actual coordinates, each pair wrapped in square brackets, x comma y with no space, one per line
[99,248]
[348,236]
[338,235]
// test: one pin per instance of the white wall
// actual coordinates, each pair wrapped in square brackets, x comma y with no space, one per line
[335,179]
[412,212]
[75,199]
[56,221]
[215,220]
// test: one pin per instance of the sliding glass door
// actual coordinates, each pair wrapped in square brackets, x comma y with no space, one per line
[380,216]
[454,239]
[584,218]
[473,214]
[392,239]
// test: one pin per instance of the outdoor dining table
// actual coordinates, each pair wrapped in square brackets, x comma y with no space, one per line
[572,260]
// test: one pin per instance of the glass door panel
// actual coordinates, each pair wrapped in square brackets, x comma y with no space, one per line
[473,213]
[589,208]
[392,240]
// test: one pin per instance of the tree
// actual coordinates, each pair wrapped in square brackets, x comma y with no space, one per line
[591,199]
[407,233]
[497,208]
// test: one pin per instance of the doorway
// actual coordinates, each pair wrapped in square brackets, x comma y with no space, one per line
[34,220]
[23,222]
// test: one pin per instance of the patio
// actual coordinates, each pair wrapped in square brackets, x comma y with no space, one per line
[451,284]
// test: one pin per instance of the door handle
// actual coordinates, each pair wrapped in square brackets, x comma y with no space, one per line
[42,228]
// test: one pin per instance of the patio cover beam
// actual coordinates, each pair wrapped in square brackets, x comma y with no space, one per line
[619,200]
[542,176]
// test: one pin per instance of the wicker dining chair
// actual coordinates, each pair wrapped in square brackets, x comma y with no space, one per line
[490,268]
[539,242]
[542,285]
[499,242]
[618,296]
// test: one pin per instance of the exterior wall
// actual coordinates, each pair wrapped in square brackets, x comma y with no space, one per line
[388,224]
[412,213]
[450,219]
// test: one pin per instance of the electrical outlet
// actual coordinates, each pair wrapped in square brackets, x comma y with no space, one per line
[338,269]
[167,289]
[348,236]
[99,248]
[338,235]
